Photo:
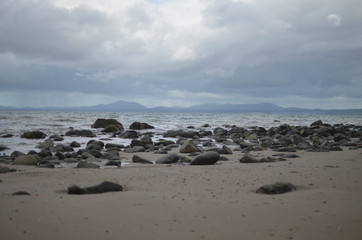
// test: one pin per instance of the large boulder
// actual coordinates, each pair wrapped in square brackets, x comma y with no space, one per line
[103,123]
[25,160]
[140,126]
[189,147]
[206,158]
[168,159]
[33,135]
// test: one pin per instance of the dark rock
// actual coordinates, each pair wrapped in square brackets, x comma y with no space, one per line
[95,153]
[189,147]
[7,135]
[59,155]
[286,149]
[112,129]
[112,155]
[277,188]
[113,163]
[56,138]
[181,133]
[46,165]
[80,133]
[3,147]
[129,134]
[206,158]
[164,142]
[101,188]
[70,160]
[25,160]
[140,126]
[74,144]
[62,148]
[168,159]
[223,150]
[20,193]
[33,135]
[103,123]
[85,164]
[291,155]
[271,159]
[6,170]
[93,146]
[139,159]
[317,123]
[136,142]
[206,125]
[114,145]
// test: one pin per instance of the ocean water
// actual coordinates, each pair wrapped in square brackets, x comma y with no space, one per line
[17,122]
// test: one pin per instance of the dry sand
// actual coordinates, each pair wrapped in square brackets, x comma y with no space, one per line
[189,202]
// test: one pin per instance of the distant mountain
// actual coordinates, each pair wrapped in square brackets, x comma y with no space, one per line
[124,106]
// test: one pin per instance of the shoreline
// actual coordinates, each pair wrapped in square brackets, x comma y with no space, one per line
[177,200]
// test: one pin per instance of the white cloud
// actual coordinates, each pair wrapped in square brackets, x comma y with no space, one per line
[335,19]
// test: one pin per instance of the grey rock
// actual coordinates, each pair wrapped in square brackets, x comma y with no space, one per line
[248,158]
[100,188]
[74,144]
[139,159]
[62,148]
[206,158]
[25,160]
[189,147]
[114,145]
[3,147]
[277,188]
[114,163]
[168,159]
[135,149]
[21,193]
[49,143]
[16,154]
[129,134]
[85,164]
[6,170]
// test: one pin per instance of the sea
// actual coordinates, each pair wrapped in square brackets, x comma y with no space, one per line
[57,122]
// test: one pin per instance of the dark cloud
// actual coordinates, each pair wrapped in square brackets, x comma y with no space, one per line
[183,52]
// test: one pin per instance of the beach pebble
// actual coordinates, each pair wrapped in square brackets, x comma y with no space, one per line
[20,193]
[277,188]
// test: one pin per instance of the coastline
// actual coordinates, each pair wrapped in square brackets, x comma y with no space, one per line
[194,202]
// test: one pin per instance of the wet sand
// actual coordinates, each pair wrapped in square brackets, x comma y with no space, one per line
[189,202]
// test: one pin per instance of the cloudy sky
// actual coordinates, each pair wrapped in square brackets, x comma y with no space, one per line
[302,53]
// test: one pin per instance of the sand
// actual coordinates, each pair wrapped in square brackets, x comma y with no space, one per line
[189,202]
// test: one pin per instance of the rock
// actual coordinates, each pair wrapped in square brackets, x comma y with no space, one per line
[33,135]
[114,145]
[139,159]
[271,159]
[45,153]
[317,123]
[168,159]
[7,135]
[112,155]
[286,149]
[20,193]
[95,153]
[103,123]
[189,147]
[112,129]
[16,154]
[70,160]
[49,143]
[207,158]
[62,148]
[140,126]
[74,144]
[80,133]
[223,150]
[248,158]
[59,155]
[6,170]
[135,149]
[25,160]
[277,188]
[101,188]
[56,138]
[136,142]
[181,133]
[3,147]
[129,134]
[85,164]
[164,142]
[114,163]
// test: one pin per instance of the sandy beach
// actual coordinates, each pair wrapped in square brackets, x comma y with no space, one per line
[189,202]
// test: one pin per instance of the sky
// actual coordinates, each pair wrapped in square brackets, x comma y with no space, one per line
[293,53]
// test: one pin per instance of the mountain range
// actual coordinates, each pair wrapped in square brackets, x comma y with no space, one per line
[125,106]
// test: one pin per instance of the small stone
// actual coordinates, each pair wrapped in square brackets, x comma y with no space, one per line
[139,159]
[277,188]
[21,193]
[101,188]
